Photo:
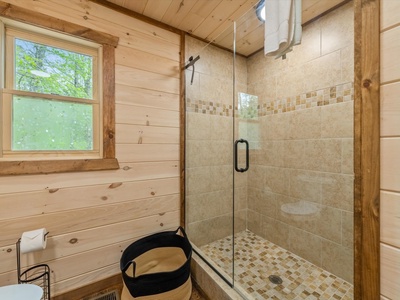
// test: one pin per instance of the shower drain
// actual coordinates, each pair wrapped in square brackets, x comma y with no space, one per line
[275,279]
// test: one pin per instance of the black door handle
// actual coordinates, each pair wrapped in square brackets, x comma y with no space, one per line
[237,142]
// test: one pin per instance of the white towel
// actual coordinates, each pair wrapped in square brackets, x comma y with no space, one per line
[282,26]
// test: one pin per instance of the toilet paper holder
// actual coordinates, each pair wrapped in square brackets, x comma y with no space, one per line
[38,274]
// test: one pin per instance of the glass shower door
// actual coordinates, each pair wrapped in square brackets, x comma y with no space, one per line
[209,154]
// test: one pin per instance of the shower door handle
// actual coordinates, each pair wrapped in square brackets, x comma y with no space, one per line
[237,142]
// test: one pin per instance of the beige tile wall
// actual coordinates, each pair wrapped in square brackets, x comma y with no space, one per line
[305,161]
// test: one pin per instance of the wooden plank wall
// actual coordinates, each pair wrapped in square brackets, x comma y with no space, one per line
[390,149]
[93,216]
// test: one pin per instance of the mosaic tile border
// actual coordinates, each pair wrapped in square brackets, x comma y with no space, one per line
[327,96]
[332,95]
[209,108]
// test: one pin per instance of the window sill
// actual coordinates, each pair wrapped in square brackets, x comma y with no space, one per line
[56,166]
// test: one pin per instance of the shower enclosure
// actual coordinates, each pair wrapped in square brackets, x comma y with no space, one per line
[269,161]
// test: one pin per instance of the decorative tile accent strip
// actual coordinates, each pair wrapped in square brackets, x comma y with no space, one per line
[336,94]
[327,96]
[256,259]
[208,107]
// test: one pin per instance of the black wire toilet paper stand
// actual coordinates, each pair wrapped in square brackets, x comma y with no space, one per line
[38,275]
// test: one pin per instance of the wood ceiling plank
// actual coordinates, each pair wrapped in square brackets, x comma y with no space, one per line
[156,9]
[318,8]
[251,42]
[308,3]
[200,11]
[218,17]
[177,11]
[212,20]
[246,8]
[137,5]
[244,26]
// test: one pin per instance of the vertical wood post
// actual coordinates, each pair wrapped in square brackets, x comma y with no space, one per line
[366,150]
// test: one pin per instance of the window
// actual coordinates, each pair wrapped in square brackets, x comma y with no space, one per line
[51,95]
[56,115]
[248,108]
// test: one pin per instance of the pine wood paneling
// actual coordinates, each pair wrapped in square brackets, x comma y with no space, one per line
[87,279]
[390,149]
[390,12]
[140,134]
[146,80]
[24,15]
[390,164]
[61,245]
[149,152]
[212,20]
[390,218]
[156,9]
[131,32]
[105,210]
[94,15]
[390,271]
[66,221]
[146,116]
[143,97]
[176,11]
[390,109]
[312,8]
[145,61]
[390,58]
[127,172]
[62,199]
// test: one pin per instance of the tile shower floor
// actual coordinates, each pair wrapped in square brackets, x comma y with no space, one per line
[256,259]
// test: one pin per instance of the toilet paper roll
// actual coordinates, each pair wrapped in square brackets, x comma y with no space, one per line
[33,240]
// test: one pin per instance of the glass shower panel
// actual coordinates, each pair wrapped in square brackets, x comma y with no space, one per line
[209,153]
[293,208]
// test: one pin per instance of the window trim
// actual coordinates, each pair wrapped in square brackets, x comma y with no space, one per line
[14,31]
[108,42]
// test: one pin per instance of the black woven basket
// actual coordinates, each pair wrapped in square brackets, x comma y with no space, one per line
[143,264]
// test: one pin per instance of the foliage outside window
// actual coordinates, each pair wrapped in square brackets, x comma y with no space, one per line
[249,128]
[53,115]
[50,87]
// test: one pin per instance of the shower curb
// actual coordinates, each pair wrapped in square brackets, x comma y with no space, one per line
[210,283]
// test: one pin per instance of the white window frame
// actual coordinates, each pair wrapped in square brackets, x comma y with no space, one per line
[54,27]
[14,30]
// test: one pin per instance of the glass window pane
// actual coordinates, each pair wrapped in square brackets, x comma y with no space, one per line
[40,124]
[248,106]
[49,70]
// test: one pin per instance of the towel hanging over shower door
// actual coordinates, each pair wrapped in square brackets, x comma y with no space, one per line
[282,26]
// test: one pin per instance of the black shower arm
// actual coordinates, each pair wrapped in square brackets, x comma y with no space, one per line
[191,63]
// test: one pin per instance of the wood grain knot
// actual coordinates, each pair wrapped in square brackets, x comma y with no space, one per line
[104,198]
[152,193]
[367,83]
[111,135]
[9,250]
[126,168]
[161,224]
[85,17]
[115,185]
[161,214]
[51,191]
[73,241]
